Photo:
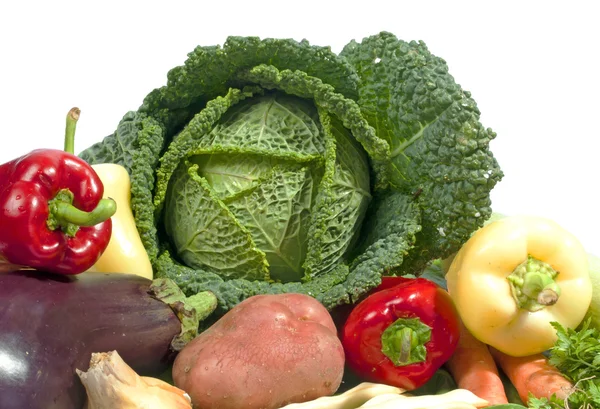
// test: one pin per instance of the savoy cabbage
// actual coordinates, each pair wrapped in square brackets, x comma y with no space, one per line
[268,166]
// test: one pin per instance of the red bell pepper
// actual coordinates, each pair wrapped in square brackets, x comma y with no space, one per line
[52,214]
[401,333]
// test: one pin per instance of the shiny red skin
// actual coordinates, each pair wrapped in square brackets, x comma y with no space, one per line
[399,297]
[27,184]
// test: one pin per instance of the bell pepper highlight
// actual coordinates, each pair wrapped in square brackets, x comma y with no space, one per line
[514,277]
[401,333]
[52,213]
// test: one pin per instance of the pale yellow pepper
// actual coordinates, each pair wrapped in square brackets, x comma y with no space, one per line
[125,252]
[514,277]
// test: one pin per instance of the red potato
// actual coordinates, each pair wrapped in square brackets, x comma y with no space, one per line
[266,352]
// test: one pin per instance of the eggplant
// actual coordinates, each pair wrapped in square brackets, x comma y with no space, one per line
[51,324]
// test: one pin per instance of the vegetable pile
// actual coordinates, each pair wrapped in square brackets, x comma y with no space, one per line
[273,166]
[280,226]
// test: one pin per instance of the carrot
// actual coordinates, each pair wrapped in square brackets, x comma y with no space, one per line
[533,374]
[474,369]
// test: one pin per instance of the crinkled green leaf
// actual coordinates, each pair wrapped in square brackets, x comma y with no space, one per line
[390,234]
[342,199]
[188,139]
[210,70]
[253,137]
[276,214]
[439,149]
[346,110]
[277,125]
[204,231]
[231,174]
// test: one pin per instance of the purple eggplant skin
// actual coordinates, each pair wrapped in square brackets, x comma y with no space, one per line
[50,325]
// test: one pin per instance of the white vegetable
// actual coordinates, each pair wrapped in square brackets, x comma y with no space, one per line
[381,396]
[456,399]
[383,399]
[351,399]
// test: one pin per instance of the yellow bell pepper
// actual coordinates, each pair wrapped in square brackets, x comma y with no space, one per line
[514,277]
[125,252]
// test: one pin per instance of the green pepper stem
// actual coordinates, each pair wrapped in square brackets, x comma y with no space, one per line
[72,118]
[62,214]
[68,213]
[403,342]
[533,285]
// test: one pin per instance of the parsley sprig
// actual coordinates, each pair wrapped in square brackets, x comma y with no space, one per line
[576,354]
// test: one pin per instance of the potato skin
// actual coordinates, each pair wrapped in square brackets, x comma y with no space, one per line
[266,352]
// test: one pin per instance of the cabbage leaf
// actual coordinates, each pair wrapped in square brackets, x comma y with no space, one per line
[439,149]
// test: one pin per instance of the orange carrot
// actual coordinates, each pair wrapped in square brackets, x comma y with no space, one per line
[533,374]
[474,369]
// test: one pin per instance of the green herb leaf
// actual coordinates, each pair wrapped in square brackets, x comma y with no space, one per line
[576,354]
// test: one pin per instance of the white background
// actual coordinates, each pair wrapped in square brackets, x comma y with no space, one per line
[532,67]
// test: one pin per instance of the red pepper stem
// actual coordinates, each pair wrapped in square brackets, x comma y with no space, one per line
[72,118]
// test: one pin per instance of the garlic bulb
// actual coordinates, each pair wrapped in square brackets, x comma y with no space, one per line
[112,384]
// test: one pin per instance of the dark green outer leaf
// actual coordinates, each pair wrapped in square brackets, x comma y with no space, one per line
[439,149]
[434,272]
[394,221]
[136,144]
[208,71]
